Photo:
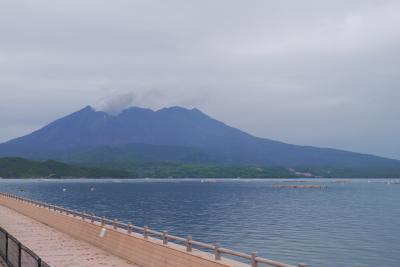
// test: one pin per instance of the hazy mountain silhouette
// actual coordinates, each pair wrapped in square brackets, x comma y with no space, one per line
[170,134]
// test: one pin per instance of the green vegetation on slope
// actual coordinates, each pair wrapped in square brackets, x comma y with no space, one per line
[22,168]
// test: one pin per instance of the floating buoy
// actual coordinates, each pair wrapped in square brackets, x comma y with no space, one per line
[64,189]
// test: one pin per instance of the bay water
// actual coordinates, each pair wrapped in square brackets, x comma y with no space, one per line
[344,223]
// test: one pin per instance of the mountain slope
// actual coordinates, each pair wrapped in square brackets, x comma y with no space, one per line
[171,134]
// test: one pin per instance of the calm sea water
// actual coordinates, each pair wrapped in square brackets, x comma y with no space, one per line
[352,224]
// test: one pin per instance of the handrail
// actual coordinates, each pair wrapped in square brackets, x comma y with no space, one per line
[164,236]
[5,255]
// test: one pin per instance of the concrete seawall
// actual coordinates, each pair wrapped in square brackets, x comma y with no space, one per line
[146,252]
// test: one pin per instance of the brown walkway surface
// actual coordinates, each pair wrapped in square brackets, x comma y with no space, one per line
[54,247]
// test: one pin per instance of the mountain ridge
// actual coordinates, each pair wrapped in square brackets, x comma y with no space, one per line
[177,130]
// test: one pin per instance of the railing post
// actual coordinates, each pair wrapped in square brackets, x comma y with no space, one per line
[19,254]
[145,234]
[103,221]
[217,252]
[130,228]
[189,244]
[254,262]
[114,223]
[92,218]
[6,247]
[165,237]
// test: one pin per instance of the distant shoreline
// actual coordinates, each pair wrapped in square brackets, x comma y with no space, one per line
[208,180]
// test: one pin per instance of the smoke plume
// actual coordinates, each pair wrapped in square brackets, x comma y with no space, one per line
[117,102]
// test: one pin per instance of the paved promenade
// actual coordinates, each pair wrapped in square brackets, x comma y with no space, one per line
[54,247]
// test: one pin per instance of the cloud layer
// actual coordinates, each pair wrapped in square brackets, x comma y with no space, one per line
[319,73]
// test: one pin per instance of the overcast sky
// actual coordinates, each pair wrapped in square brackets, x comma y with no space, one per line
[322,73]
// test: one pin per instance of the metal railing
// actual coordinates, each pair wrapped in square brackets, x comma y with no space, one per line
[164,236]
[15,254]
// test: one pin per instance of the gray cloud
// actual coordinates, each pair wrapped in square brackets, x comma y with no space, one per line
[309,72]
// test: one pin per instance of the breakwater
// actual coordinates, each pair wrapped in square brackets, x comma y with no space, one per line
[140,245]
